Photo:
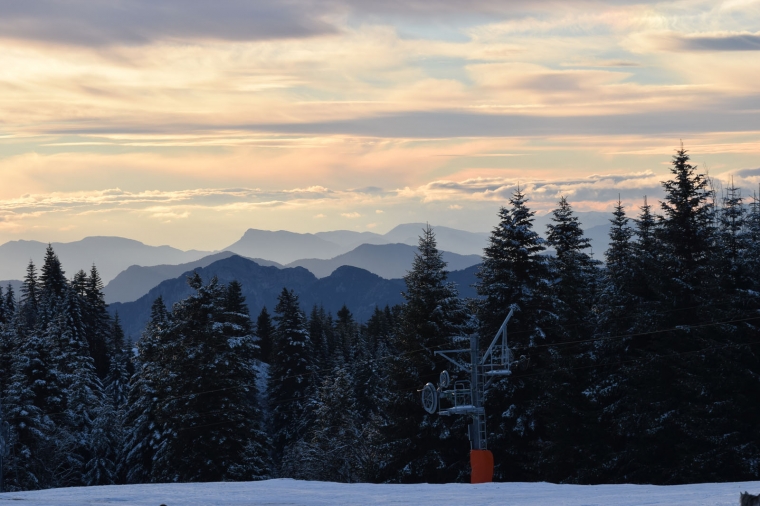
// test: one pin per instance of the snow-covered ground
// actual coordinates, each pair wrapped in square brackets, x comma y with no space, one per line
[309,493]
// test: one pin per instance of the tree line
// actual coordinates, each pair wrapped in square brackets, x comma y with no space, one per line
[642,369]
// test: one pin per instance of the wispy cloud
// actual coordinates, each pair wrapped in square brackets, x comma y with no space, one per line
[95,23]
[721,41]
[296,113]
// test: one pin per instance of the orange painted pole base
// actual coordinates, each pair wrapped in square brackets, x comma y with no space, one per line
[481,463]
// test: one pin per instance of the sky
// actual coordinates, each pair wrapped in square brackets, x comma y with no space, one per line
[186,122]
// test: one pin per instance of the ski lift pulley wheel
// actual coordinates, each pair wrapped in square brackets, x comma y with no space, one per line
[444,379]
[430,398]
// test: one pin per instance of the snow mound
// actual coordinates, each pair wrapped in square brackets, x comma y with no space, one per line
[312,493]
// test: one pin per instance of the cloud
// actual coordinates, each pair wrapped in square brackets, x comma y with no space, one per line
[351,215]
[452,124]
[724,41]
[599,189]
[105,23]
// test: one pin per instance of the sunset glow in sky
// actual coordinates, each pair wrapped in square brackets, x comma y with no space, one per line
[185,122]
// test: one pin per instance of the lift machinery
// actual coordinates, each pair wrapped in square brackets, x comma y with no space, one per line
[466,397]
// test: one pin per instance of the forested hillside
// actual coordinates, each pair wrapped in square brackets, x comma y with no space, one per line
[644,368]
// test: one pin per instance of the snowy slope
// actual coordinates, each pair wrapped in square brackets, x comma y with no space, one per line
[290,492]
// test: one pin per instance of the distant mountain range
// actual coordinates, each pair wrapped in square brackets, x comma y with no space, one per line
[287,247]
[386,260]
[136,281]
[111,255]
[130,268]
[360,290]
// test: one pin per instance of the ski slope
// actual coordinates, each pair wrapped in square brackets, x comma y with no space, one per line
[292,492]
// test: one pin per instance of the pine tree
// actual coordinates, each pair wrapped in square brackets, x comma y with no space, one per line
[616,317]
[573,270]
[30,296]
[142,419]
[117,381]
[97,322]
[10,301]
[264,330]
[209,418]
[3,313]
[515,273]
[321,335]
[289,375]
[562,409]
[82,388]
[752,260]
[104,441]
[335,447]
[31,394]
[647,255]
[686,231]
[733,241]
[53,283]
[346,333]
[251,455]
[423,447]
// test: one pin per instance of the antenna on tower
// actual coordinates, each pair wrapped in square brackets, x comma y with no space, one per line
[466,397]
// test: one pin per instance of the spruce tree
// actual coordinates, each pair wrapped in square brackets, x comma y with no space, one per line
[209,417]
[573,270]
[142,419]
[264,330]
[30,296]
[346,333]
[31,394]
[97,322]
[10,301]
[335,447]
[616,317]
[53,283]
[561,406]
[289,375]
[515,273]
[733,241]
[117,381]
[686,231]
[321,335]
[752,260]
[83,389]
[422,447]
[648,276]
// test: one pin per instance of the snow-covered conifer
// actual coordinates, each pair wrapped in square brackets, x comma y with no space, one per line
[289,374]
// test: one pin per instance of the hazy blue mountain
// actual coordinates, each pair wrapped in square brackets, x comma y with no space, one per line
[595,225]
[261,286]
[282,246]
[15,283]
[386,260]
[286,247]
[448,239]
[110,254]
[348,239]
[600,239]
[358,289]
[136,280]
[464,279]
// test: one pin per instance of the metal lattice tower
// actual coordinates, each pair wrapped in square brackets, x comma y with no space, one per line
[467,396]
